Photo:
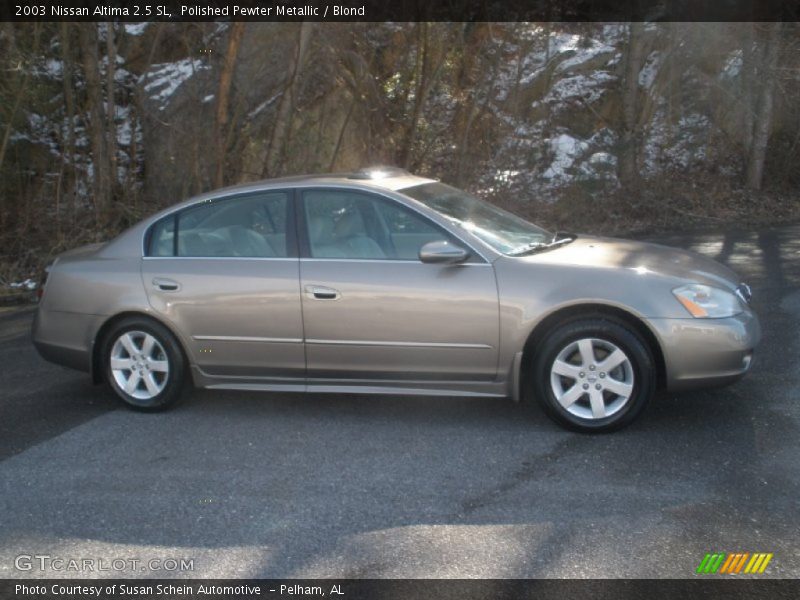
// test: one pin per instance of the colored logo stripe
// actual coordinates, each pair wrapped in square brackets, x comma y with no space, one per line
[733,563]
[758,563]
[727,564]
[711,563]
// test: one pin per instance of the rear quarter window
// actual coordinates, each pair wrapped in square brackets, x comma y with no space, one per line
[161,240]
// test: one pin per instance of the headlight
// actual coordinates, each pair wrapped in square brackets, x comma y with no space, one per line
[704,301]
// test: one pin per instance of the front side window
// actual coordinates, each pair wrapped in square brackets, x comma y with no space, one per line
[251,226]
[503,231]
[352,225]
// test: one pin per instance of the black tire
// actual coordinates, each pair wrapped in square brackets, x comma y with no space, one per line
[604,329]
[174,380]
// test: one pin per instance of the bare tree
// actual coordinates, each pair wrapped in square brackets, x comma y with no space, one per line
[87,36]
[18,96]
[750,61]
[430,58]
[762,113]
[275,149]
[628,169]
[356,72]
[111,70]
[22,77]
[68,153]
[475,88]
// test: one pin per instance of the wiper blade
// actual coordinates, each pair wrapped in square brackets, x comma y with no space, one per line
[542,246]
[560,235]
[527,248]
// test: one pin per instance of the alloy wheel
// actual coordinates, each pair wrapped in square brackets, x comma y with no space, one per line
[592,378]
[139,365]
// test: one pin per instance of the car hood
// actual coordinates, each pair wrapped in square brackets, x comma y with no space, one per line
[640,256]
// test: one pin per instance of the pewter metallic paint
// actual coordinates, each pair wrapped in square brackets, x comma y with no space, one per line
[396,326]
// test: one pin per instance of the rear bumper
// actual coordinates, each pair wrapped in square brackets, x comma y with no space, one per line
[707,352]
[65,338]
[64,356]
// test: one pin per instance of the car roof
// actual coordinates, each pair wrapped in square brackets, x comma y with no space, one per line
[376,178]
[387,178]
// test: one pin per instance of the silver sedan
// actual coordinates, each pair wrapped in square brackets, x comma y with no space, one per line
[383,282]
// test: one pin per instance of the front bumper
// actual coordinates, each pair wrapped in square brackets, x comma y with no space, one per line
[707,352]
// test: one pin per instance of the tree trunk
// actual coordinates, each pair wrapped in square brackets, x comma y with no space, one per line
[68,153]
[111,56]
[750,61]
[20,93]
[11,39]
[87,35]
[628,170]
[762,125]
[474,106]
[223,100]
[21,81]
[342,130]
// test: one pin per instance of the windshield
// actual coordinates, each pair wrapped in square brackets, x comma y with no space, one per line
[503,231]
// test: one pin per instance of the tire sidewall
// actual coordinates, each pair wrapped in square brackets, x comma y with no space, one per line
[599,328]
[175,378]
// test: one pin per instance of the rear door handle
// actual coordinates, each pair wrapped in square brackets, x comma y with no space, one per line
[320,292]
[166,285]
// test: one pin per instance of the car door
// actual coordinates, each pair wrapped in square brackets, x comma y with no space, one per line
[225,273]
[373,311]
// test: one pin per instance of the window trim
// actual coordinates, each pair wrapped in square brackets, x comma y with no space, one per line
[291,228]
[304,242]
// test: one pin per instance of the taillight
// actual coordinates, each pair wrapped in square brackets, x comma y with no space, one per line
[42,282]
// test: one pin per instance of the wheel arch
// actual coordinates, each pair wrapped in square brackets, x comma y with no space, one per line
[97,366]
[576,312]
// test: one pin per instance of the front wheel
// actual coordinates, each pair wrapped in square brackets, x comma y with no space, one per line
[144,364]
[593,375]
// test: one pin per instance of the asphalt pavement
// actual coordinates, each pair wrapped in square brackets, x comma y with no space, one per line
[285,486]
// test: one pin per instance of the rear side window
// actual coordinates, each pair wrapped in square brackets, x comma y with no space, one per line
[251,226]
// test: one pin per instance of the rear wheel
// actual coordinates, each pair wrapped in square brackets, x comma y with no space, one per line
[144,364]
[593,375]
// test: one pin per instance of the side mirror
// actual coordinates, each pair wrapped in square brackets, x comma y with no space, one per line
[443,253]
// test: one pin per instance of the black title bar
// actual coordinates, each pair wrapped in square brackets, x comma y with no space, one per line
[404,10]
[709,587]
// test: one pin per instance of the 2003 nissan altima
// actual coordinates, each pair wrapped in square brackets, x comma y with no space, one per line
[383,282]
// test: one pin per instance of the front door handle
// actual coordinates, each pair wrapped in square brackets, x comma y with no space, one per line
[320,292]
[166,285]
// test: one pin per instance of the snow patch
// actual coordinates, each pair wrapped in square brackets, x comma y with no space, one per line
[733,66]
[163,79]
[584,54]
[650,70]
[583,87]
[505,176]
[566,150]
[258,109]
[135,28]
[28,284]
[603,159]
[53,67]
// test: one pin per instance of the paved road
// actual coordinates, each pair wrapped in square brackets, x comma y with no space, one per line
[346,486]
